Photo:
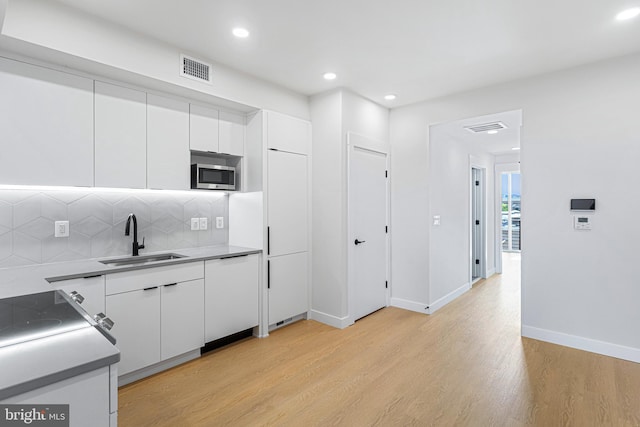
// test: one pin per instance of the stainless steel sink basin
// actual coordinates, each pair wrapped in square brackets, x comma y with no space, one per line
[140,260]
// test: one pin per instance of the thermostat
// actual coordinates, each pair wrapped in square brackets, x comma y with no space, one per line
[582,222]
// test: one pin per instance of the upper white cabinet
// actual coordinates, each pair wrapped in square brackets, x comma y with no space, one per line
[46,123]
[231,133]
[120,137]
[203,128]
[167,143]
[287,133]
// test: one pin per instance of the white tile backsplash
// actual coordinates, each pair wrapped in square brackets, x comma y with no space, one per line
[97,221]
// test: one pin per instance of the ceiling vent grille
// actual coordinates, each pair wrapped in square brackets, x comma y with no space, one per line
[195,69]
[486,127]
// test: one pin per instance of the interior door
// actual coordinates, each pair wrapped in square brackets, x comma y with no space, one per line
[476,224]
[368,231]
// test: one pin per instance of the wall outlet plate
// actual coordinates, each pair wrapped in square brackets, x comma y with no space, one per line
[203,223]
[219,222]
[61,229]
[195,224]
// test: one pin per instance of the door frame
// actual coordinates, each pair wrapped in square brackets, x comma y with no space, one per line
[355,140]
[475,164]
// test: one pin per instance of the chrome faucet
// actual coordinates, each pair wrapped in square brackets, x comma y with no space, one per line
[136,246]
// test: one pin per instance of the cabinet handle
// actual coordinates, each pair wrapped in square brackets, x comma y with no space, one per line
[151,288]
[233,256]
[170,284]
[268,240]
[268,274]
[91,277]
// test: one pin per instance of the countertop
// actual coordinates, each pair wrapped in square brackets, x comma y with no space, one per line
[44,361]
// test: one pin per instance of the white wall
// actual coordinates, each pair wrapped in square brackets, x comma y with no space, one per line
[53,32]
[334,115]
[580,138]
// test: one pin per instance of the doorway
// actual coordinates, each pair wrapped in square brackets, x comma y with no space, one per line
[478,224]
[510,199]
[368,207]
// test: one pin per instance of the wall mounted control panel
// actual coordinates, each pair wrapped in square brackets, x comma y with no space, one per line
[582,222]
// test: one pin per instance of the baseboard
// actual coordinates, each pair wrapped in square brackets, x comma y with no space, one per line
[329,319]
[418,307]
[490,272]
[581,343]
[441,302]
[158,367]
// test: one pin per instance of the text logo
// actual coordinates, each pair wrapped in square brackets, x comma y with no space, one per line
[34,415]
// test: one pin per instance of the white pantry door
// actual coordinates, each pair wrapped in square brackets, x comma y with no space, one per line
[368,230]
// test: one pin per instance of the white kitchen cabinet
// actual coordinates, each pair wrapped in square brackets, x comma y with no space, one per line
[287,281]
[46,126]
[136,317]
[203,128]
[288,133]
[88,397]
[120,137]
[168,165]
[288,203]
[182,318]
[231,133]
[231,295]
[91,288]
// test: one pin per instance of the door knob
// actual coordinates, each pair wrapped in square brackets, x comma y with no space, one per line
[357,242]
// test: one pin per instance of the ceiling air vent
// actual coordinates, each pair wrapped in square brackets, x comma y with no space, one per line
[194,69]
[486,127]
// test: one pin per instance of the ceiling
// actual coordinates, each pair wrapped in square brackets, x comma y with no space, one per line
[416,49]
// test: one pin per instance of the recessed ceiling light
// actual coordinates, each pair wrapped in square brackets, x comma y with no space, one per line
[330,76]
[628,14]
[492,132]
[390,97]
[242,33]
[515,148]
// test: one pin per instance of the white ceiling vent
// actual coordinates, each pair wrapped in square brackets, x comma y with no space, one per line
[485,127]
[195,69]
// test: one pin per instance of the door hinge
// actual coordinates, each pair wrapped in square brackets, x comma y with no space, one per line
[477,261]
[386,174]
[386,228]
[477,182]
[386,284]
[477,222]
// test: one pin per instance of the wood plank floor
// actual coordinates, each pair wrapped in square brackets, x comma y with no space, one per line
[466,365]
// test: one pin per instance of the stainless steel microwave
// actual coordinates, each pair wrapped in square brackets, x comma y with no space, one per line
[213,177]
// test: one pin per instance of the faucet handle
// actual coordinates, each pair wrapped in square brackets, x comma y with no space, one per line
[142,245]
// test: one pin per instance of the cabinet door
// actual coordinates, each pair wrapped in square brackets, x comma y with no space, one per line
[288,286]
[46,126]
[231,296]
[287,211]
[91,288]
[120,137]
[203,128]
[231,133]
[182,324]
[288,133]
[136,317]
[167,143]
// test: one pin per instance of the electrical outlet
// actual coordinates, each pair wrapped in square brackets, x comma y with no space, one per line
[219,222]
[203,223]
[61,229]
[195,224]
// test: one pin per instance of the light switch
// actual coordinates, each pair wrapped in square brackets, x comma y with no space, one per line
[195,224]
[219,222]
[61,229]
[203,223]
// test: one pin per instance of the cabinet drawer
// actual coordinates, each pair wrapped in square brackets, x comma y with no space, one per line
[149,277]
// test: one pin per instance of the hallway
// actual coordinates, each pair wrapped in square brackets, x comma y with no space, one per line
[465,365]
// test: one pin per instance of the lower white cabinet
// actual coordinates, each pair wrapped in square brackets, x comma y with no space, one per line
[136,317]
[287,281]
[91,289]
[231,295]
[182,318]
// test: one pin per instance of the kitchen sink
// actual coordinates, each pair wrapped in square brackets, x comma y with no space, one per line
[140,260]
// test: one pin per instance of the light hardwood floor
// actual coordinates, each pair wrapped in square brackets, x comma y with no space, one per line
[466,365]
